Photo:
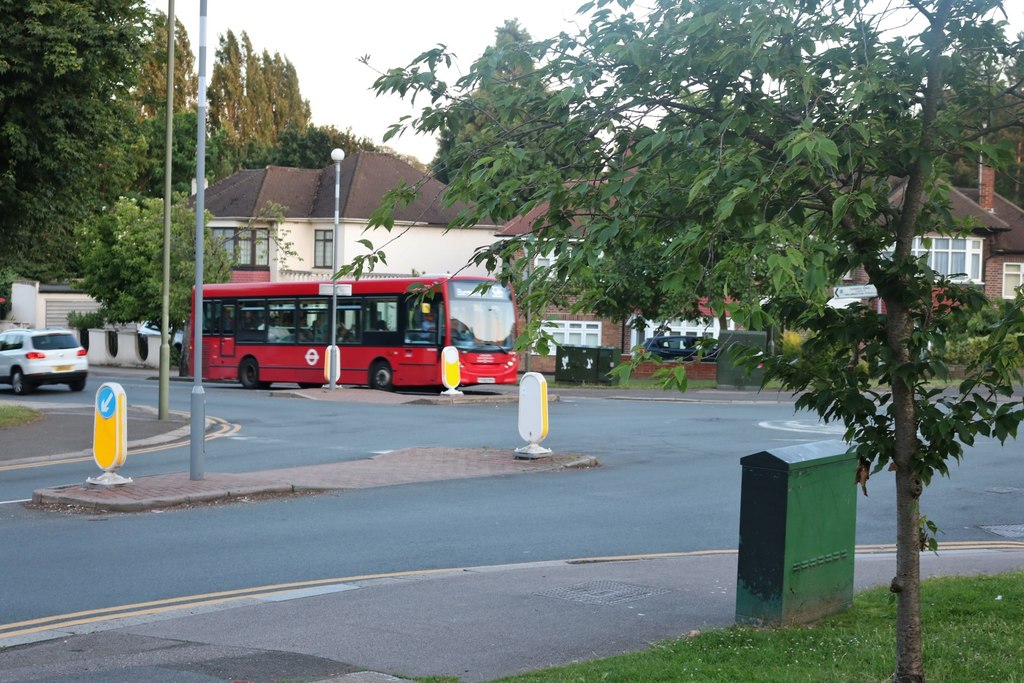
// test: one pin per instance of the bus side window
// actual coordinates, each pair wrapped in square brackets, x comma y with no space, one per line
[227,319]
[382,315]
[211,317]
[348,325]
[252,325]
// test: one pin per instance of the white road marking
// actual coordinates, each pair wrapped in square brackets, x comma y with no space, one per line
[803,427]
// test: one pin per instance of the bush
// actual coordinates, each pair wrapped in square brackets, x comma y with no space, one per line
[792,344]
[86,321]
[968,350]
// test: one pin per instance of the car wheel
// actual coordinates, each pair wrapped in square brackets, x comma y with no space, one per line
[77,385]
[249,374]
[381,377]
[19,384]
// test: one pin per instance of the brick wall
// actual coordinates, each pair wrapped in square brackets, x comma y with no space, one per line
[250,276]
[694,370]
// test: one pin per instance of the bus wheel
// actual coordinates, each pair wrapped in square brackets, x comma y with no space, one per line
[381,376]
[249,374]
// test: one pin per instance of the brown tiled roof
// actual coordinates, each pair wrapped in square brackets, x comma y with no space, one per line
[309,193]
[1004,225]
[1009,240]
[523,225]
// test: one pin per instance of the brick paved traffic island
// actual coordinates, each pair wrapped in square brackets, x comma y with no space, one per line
[406,466]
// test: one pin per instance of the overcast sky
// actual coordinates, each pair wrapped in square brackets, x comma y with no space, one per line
[324,39]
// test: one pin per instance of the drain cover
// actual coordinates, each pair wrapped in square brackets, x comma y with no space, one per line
[1006,530]
[603,592]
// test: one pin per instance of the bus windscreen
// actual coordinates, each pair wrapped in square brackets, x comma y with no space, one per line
[482,320]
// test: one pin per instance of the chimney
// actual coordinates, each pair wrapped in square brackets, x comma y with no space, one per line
[986,187]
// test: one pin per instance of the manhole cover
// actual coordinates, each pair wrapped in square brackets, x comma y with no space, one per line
[1006,530]
[603,592]
[1002,489]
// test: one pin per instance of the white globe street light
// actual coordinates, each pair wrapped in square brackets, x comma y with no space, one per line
[337,155]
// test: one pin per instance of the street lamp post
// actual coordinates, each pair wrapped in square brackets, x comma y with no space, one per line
[337,155]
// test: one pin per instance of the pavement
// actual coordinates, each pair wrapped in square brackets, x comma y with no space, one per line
[470,623]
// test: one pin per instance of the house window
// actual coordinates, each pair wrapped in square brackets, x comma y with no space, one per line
[951,256]
[1013,278]
[247,247]
[573,333]
[323,250]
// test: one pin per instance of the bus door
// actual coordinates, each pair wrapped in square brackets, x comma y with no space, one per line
[227,330]
[424,334]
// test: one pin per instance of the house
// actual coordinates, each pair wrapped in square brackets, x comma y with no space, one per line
[299,244]
[586,329]
[992,256]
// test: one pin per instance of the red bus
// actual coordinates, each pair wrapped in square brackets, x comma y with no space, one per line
[390,332]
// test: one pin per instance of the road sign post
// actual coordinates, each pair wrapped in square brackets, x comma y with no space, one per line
[533,415]
[110,439]
[451,372]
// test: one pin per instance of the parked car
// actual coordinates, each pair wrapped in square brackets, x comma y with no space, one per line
[30,358]
[153,329]
[679,347]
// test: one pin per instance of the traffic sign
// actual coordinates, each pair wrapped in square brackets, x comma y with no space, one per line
[326,289]
[110,433]
[855,292]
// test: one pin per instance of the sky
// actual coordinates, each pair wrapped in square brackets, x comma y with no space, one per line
[324,40]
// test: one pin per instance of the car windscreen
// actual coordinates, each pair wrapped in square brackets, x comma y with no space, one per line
[53,342]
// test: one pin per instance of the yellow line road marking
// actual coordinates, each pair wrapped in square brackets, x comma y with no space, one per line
[169,604]
[63,621]
[222,428]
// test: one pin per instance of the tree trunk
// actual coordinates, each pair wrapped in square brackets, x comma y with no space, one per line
[907,583]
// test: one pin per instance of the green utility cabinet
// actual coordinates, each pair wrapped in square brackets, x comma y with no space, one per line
[798,514]
[728,375]
[584,364]
[568,364]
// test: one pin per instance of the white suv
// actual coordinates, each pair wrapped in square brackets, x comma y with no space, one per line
[29,358]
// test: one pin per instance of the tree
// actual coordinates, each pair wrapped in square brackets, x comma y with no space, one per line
[151,92]
[67,67]
[806,139]
[310,147]
[480,123]
[120,247]
[253,98]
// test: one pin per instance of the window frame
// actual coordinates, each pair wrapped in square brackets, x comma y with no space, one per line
[1011,293]
[973,252]
[254,242]
[559,331]
[323,241]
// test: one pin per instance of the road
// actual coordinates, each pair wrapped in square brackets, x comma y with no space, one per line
[669,482]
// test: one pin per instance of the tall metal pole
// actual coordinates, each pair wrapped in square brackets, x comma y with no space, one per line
[198,405]
[337,155]
[165,303]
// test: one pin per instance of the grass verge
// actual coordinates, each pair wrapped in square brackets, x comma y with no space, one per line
[12,416]
[973,632]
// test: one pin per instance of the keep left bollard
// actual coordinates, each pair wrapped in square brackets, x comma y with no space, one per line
[533,415]
[451,372]
[110,439]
